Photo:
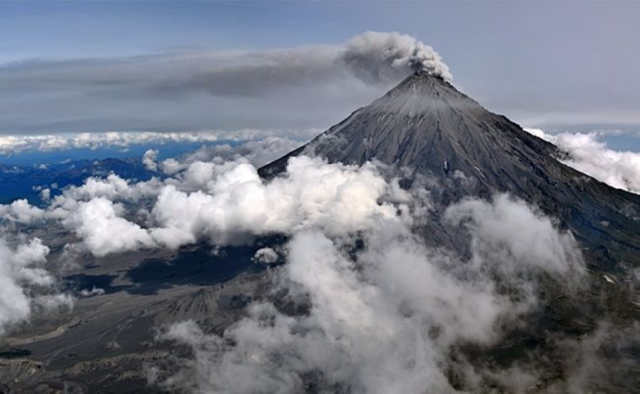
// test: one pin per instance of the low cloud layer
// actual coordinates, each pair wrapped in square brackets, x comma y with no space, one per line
[14,144]
[376,308]
[588,153]
[20,211]
[386,312]
[224,202]
[531,236]
[386,319]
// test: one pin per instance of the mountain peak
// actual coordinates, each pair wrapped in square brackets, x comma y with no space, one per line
[422,92]
[422,77]
[427,125]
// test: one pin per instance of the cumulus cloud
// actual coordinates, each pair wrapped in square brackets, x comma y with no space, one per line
[258,152]
[21,211]
[531,236]
[231,201]
[383,312]
[149,160]
[265,256]
[99,223]
[171,166]
[112,187]
[589,154]
[385,318]
[22,269]
[45,194]
[94,213]
[224,202]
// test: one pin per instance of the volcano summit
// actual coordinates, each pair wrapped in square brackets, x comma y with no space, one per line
[429,127]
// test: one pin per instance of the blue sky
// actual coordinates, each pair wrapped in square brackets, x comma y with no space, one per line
[114,28]
[571,65]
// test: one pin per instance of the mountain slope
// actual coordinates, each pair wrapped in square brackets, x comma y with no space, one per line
[428,126]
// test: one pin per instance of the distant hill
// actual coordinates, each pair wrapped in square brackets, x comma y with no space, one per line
[26,182]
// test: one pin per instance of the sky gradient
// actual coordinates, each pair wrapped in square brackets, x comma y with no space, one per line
[75,66]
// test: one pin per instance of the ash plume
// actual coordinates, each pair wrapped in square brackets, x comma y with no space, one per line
[375,57]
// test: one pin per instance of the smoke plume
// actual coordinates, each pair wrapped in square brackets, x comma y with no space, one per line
[377,57]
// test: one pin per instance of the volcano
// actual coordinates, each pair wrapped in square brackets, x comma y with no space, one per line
[429,135]
[432,129]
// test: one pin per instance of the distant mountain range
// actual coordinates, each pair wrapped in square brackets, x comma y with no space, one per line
[28,181]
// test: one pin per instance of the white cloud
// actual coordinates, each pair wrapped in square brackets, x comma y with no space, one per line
[21,211]
[590,155]
[257,151]
[95,291]
[225,202]
[112,187]
[149,160]
[233,202]
[383,319]
[171,166]
[45,194]
[21,268]
[530,236]
[383,316]
[100,225]
[265,256]
[12,144]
